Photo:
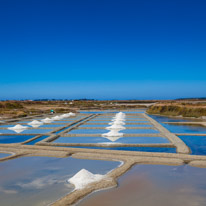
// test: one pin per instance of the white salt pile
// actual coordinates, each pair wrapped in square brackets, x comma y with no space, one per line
[57,118]
[116,126]
[47,120]
[18,128]
[83,178]
[63,116]
[72,114]
[35,123]
[117,122]
[112,139]
[120,115]
[113,133]
[60,117]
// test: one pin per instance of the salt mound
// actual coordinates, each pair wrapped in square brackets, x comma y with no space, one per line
[117,122]
[47,120]
[112,133]
[113,139]
[35,123]
[72,114]
[120,114]
[57,118]
[18,128]
[83,178]
[65,115]
[116,126]
[118,119]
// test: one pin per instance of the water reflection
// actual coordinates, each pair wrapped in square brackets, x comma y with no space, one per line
[185,128]
[2,155]
[42,180]
[5,139]
[152,185]
[126,140]
[138,149]
[197,144]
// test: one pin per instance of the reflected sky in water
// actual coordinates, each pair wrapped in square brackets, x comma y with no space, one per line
[42,180]
[155,185]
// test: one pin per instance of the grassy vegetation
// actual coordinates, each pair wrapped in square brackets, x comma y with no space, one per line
[177,110]
[13,109]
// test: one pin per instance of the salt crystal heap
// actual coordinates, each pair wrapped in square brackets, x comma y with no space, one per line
[35,123]
[57,118]
[116,125]
[71,114]
[18,128]
[47,120]
[83,178]
[60,117]
[63,116]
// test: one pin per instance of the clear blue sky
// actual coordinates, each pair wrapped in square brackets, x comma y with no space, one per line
[105,49]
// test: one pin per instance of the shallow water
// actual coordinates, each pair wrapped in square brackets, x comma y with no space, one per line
[134,112]
[26,131]
[197,144]
[42,180]
[52,125]
[171,119]
[155,185]
[98,112]
[126,119]
[11,125]
[125,140]
[2,155]
[137,121]
[7,131]
[138,125]
[62,121]
[185,128]
[106,125]
[99,122]
[139,131]
[88,131]
[102,118]
[94,125]
[36,131]
[6,139]
[138,149]
[36,140]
